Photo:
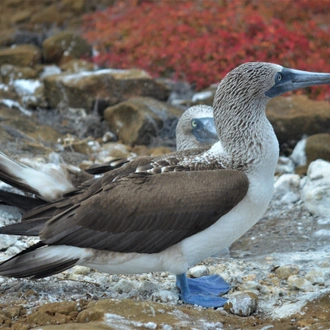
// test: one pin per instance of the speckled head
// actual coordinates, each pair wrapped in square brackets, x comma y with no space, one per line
[196,128]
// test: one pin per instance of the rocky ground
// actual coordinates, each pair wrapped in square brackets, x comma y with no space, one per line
[55,107]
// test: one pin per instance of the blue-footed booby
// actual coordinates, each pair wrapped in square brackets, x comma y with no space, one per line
[169,212]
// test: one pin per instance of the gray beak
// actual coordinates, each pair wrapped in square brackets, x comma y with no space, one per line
[205,131]
[289,79]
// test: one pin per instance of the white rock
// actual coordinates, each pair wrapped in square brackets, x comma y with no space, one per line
[285,165]
[242,304]
[7,241]
[298,154]
[300,283]
[286,188]
[316,189]
[198,271]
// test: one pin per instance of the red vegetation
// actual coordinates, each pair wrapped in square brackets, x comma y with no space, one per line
[199,41]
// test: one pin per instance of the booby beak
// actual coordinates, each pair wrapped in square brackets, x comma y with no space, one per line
[204,130]
[289,79]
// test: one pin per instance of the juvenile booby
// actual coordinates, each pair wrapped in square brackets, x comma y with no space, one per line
[167,213]
[195,129]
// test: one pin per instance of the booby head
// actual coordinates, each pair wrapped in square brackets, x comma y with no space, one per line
[242,95]
[196,128]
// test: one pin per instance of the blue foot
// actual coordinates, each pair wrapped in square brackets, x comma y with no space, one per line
[203,291]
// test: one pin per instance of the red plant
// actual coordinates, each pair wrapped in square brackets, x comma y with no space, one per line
[199,41]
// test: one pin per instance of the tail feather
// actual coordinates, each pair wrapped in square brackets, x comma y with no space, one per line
[38,261]
[24,203]
[26,228]
[49,184]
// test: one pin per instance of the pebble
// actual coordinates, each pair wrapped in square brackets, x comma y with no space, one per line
[146,288]
[165,296]
[199,271]
[242,304]
[300,283]
[124,286]
[285,271]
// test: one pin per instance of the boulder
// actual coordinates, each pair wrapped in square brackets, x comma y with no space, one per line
[318,147]
[294,116]
[65,46]
[96,90]
[140,120]
[22,55]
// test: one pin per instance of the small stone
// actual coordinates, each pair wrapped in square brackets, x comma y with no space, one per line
[146,288]
[165,296]
[300,283]
[285,271]
[124,286]
[198,271]
[6,241]
[80,270]
[315,276]
[242,304]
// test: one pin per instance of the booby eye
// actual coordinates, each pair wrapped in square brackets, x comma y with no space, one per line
[193,123]
[278,77]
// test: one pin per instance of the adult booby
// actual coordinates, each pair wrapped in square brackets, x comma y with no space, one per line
[167,213]
[195,129]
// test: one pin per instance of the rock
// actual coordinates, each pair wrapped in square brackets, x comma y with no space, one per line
[298,154]
[165,296]
[315,190]
[96,90]
[318,147]
[21,133]
[22,55]
[284,165]
[124,286]
[146,288]
[6,241]
[65,46]
[49,70]
[31,93]
[294,116]
[9,73]
[198,271]
[286,188]
[76,66]
[316,276]
[285,271]
[242,304]
[300,283]
[53,313]
[142,120]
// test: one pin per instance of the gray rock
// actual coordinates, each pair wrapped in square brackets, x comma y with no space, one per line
[285,165]
[286,188]
[125,286]
[146,288]
[7,241]
[285,271]
[242,304]
[300,283]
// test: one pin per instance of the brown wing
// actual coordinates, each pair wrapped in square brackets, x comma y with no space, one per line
[147,213]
